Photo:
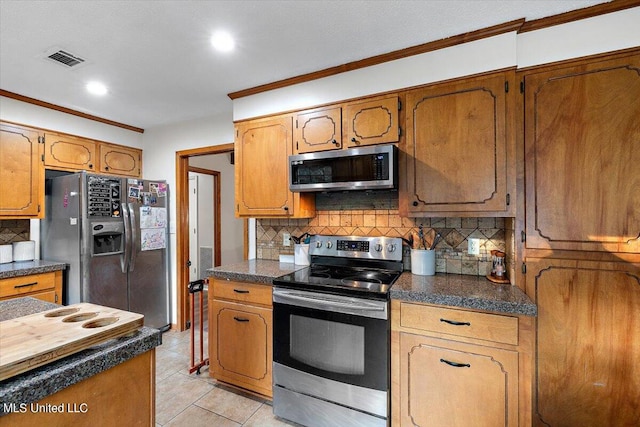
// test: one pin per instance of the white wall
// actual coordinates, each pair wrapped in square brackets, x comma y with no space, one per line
[160,145]
[16,111]
[232,228]
[604,33]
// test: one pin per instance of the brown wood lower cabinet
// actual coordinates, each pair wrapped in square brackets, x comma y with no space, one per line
[44,286]
[441,377]
[588,336]
[123,395]
[240,334]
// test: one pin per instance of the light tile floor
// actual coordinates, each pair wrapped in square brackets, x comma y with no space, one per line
[192,400]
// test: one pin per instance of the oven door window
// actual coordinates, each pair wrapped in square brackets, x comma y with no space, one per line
[326,345]
[342,347]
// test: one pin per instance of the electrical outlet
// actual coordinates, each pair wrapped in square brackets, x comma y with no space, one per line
[286,239]
[474,247]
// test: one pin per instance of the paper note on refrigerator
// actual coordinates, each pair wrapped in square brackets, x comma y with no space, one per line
[153,217]
[153,224]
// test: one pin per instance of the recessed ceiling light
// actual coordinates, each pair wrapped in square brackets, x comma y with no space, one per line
[222,41]
[96,88]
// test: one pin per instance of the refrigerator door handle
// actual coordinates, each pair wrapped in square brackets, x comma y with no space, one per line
[126,256]
[134,237]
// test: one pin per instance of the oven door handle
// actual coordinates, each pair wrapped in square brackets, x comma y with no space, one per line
[329,304]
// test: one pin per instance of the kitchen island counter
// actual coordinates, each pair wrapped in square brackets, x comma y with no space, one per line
[26,268]
[99,365]
[255,270]
[463,291]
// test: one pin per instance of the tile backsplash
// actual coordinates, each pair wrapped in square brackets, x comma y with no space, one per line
[451,252]
[14,230]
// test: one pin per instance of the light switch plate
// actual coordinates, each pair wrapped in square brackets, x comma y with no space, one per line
[286,239]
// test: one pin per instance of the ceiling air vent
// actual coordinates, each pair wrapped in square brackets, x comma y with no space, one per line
[65,58]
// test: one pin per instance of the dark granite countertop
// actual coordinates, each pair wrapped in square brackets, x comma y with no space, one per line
[456,290]
[463,291]
[255,270]
[38,383]
[25,268]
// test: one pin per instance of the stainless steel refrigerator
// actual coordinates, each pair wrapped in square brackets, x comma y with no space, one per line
[113,233]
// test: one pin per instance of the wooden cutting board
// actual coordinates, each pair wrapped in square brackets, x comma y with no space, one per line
[37,339]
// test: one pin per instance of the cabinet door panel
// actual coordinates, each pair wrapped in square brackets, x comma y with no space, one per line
[582,142]
[588,339]
[120,160]
[242,341]
[21,173]
[67,152]
[447,387]
[457,147]
[372,122]
[319,130]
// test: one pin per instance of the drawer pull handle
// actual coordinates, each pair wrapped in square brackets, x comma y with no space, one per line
[26,285]
[240,291]
[455,365]
[454,323]
[240,319]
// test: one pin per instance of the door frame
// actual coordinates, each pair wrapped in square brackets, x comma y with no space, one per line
[217,231]
[182,226]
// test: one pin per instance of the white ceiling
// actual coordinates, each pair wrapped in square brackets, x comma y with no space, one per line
[156,58]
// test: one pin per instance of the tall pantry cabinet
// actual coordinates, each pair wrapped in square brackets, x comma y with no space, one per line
[581,238]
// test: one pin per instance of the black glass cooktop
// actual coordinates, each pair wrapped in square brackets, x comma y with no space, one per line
[364,281]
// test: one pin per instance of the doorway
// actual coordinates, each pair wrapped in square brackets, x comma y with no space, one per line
[182,225]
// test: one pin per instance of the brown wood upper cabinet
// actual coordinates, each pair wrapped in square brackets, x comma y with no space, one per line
[120,160]
[262,150]
[460,150]
[352,124]
[318,130]
[21,172]
[582,151]
[73,153]
[68,152]
[373,121]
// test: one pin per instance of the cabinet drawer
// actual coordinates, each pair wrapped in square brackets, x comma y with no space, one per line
[242,292]
[15,286]
[460,323]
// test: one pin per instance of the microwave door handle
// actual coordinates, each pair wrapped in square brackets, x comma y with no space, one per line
[124,258]
[328,303]
[134,237]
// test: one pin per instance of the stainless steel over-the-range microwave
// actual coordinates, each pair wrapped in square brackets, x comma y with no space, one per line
[361,168]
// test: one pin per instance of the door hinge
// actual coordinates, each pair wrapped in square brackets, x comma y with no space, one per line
[508,199]
[399,131]
[56,298]
[296,145]
[522,86]
[506,87]
[524,268]
[523,236]
[38,208]
[238,207]
[296,123]
[42,157]
[399,105]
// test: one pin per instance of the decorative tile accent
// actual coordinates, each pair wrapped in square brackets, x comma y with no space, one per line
[14,230]
[451,252]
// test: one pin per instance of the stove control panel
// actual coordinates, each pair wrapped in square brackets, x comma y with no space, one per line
[387,248]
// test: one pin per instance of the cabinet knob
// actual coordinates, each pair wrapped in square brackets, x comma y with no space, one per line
[90,166]
[355,141]
[286,208]
[335,143]
[415,203]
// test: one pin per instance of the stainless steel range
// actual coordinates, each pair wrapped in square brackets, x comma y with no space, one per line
[331,333]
